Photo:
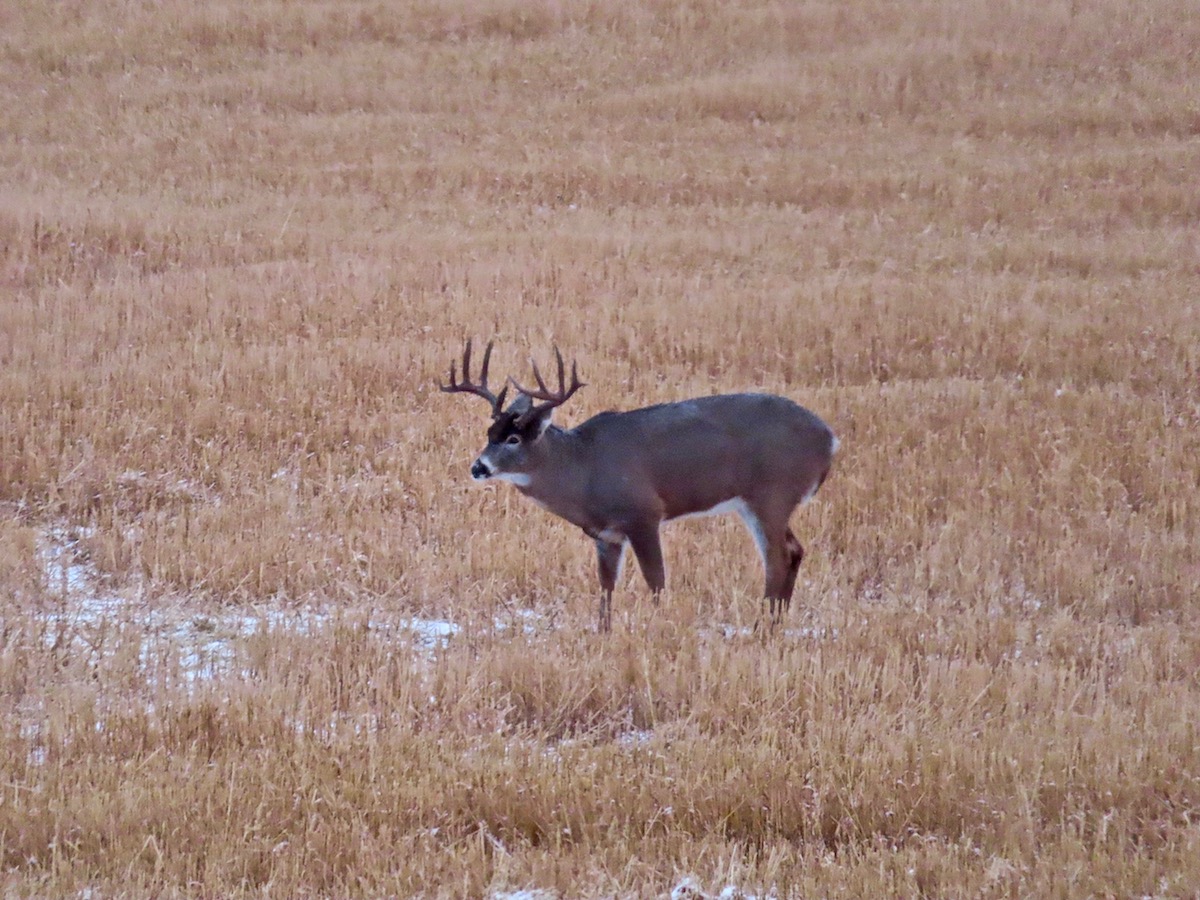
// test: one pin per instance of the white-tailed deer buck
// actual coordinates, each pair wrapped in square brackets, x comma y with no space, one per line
[620,475]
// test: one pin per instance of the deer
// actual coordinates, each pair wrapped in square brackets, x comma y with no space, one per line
[620,475]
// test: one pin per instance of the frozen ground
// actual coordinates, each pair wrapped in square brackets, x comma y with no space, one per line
[687,889]
[205,642]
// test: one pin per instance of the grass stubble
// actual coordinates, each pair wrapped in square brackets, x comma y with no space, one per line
[239,243]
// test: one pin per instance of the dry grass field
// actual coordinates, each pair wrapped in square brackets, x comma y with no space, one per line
[261,636]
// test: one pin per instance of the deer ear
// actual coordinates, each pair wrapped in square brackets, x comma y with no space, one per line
[534,425]
[543,422]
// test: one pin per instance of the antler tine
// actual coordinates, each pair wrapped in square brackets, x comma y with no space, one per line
[467,387]
[551,398]
[543,392]
[487,360]
[538,375]
[562,381]
[467,361]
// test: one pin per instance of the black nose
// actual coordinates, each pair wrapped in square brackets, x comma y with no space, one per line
[479,470]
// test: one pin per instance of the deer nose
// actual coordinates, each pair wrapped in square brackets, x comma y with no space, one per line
[479,471]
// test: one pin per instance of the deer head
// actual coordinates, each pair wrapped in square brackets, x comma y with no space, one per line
[512,451]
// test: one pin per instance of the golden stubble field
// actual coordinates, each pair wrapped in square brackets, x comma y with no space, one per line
[260,636]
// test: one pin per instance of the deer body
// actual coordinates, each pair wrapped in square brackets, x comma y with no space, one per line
[620,475]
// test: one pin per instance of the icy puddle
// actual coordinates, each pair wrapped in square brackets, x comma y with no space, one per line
[91,614]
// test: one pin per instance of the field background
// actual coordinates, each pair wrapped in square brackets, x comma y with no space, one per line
[260,636]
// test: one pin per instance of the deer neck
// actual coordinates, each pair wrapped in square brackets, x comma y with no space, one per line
[559,479]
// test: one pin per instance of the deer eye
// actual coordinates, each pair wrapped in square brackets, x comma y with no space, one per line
[513,439]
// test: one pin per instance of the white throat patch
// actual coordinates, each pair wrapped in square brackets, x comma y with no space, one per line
[520,479]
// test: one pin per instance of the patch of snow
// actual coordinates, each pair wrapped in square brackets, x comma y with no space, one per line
[62,560]
[205,644]
[530,621]
[689,889]
[635,738]
[429,632]
[805,633]
[812,633]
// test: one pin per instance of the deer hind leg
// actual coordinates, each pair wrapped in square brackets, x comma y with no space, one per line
[780,578]
[773,552]
[795,556]
[609,557]
[781,555]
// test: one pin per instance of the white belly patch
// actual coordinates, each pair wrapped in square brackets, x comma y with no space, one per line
[737,505]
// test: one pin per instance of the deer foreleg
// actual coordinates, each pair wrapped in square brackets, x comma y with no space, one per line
[609,557]
[648,550]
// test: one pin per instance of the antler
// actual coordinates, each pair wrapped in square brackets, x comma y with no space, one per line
[552,398]
[481,389]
